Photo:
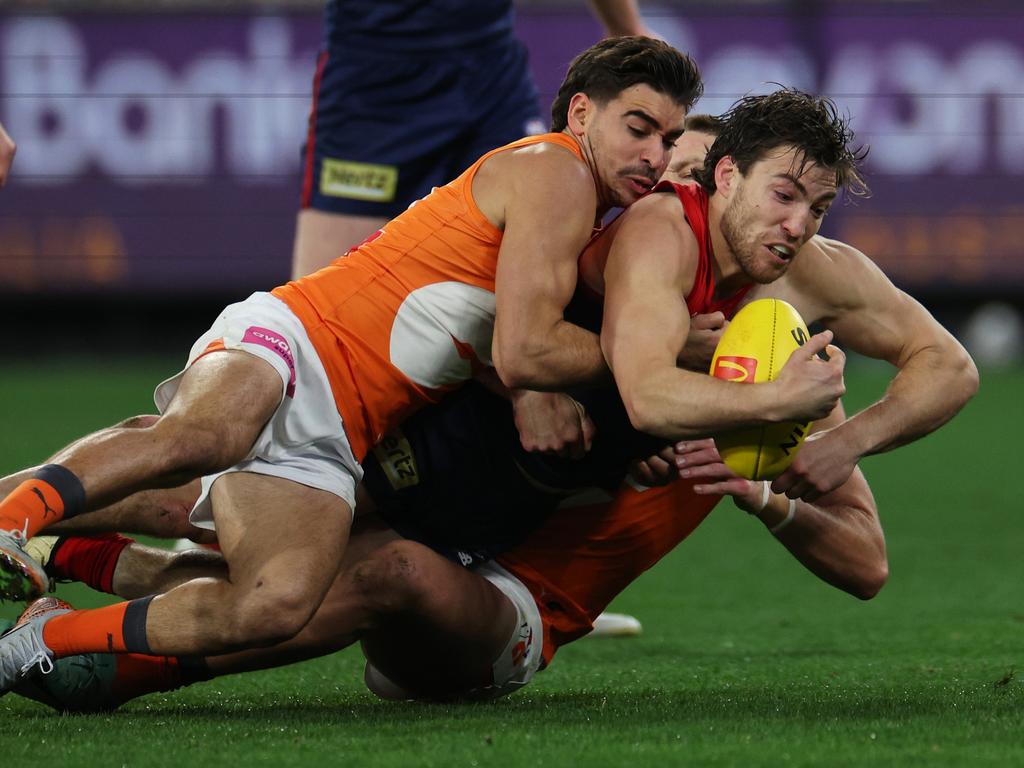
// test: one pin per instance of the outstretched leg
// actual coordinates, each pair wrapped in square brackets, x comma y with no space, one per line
[159,512]
[207,427]
[431,629]
[283,543]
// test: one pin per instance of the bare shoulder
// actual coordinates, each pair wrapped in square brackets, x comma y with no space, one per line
[653,237]
[545,178]
[823,253]
[834,275]
[542,168]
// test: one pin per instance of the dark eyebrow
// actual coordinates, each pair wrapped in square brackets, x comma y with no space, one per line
[640,114]
[794,180]
[803,190]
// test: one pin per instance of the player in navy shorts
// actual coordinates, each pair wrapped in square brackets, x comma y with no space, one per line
[470,435]
[406,96]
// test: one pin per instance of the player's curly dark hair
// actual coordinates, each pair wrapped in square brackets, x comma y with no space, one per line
[605,70]
[755,125]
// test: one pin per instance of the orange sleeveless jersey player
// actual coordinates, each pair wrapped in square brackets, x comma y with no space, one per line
[408,314]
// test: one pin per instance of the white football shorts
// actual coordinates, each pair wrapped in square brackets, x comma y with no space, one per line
[304,441]
[516,664]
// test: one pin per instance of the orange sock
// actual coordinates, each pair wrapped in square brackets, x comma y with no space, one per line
[52,494]
[116,628]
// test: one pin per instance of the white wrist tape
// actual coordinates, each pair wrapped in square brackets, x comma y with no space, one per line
[786,520]
[765,496]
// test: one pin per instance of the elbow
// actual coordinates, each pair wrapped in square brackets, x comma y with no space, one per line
[645,416]
[964,384]
[639,409]
[970,376]
[962,380]
[511,377]
[516,374]
[871,580]
[511,367]
[530,360]
[873,570]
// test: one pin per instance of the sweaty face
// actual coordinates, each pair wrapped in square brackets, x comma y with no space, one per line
[774,210]
[689,153]
[630,139]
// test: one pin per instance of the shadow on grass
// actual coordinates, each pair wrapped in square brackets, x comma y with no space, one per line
[650,706]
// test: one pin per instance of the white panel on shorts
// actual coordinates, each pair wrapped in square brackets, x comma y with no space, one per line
[522,655]
[516,664]
[305,440]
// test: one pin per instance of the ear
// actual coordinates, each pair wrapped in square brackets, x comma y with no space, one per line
[581,110]
[727,174]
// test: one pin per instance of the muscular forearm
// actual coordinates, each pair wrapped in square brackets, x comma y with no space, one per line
[681,405]
[564,356]
[840,543]
[930,388]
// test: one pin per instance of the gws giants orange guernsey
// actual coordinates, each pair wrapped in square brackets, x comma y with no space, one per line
[409,314]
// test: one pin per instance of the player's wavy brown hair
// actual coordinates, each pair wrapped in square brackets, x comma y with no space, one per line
[755,125]
[605,70]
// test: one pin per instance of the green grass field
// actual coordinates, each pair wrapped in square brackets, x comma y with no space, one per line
[746,659]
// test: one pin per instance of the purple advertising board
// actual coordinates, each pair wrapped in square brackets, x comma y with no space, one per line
[160,154]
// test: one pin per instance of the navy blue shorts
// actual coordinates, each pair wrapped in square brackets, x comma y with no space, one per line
[449,479]
[457,479]
[387,128]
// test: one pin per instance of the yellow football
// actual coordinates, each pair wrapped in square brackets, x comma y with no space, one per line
[753,349]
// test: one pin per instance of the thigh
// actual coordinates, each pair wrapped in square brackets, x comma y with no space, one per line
[298,436]
[282,543]
[332,627]
[209,395]
[280,537]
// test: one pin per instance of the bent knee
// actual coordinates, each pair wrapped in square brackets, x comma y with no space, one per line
[394,578]
[269,616]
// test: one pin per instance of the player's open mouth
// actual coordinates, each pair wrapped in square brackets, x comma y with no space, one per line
[782,252]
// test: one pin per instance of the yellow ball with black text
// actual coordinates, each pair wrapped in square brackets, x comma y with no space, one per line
[753,349]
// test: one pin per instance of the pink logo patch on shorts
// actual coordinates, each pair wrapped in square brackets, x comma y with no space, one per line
[275,341]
